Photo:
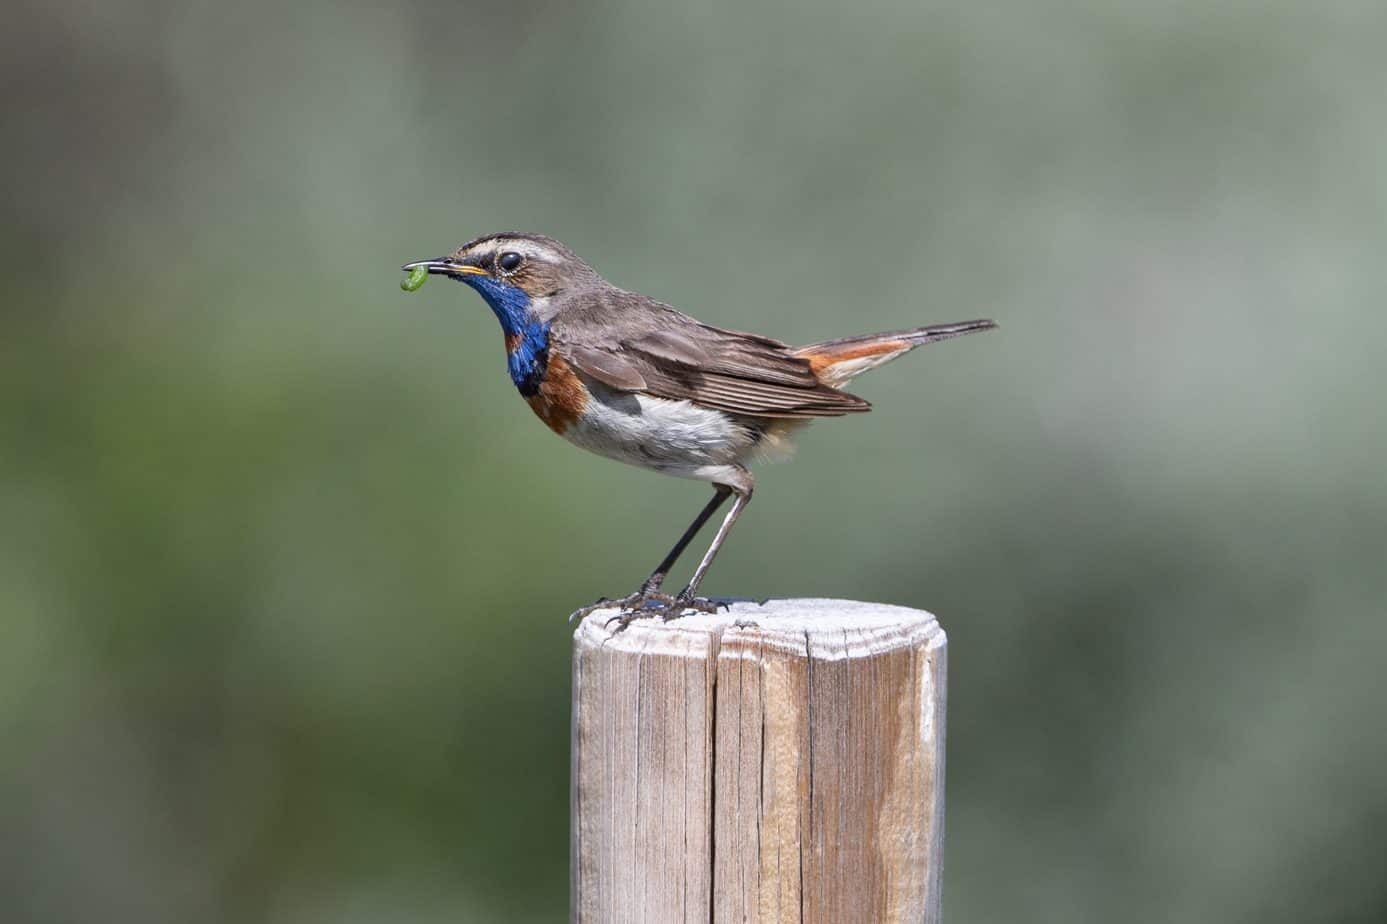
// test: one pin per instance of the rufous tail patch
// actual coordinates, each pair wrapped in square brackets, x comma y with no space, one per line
[837,364]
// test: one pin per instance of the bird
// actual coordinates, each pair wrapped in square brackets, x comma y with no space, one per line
[635,380]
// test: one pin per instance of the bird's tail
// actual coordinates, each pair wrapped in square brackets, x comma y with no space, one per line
[836,362]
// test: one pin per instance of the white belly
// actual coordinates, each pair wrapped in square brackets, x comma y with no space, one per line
[675,437]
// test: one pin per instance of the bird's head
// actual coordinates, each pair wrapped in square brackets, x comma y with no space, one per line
[517,274]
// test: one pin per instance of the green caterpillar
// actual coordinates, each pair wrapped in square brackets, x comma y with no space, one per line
[415,279]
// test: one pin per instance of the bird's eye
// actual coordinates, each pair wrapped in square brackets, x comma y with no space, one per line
[509,261]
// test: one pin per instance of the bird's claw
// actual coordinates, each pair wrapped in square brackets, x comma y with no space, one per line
[645,603]
[582,611]
[697,604]
[630,606]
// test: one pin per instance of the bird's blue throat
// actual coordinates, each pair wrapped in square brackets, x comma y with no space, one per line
[529,356]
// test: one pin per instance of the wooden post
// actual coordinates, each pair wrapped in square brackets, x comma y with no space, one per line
[777,762]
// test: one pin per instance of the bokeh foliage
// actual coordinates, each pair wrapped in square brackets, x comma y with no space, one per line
[284,560]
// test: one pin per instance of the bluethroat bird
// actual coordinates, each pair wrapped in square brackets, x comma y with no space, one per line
[635,380]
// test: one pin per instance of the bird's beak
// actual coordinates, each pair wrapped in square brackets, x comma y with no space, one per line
[446,267]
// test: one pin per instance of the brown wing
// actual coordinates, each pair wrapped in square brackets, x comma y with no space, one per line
[608,368]
[679,358]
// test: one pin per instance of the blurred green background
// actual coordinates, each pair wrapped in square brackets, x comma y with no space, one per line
[285,561]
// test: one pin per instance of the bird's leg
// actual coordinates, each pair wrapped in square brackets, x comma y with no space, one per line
[720,494]
[686,599]
[631,605]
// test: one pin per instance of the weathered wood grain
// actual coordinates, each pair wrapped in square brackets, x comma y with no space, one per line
[790,770]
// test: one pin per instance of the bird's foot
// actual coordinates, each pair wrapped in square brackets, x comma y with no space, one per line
[685,602]
[644,603]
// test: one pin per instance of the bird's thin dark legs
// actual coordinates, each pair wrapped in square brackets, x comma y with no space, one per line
[657,578]
[650,590]
[686,596]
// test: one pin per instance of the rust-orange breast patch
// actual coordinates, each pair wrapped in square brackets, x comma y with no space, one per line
[562,396]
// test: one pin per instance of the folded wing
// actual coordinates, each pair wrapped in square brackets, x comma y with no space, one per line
[670,355]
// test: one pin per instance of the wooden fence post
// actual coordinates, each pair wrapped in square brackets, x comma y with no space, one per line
[776,762]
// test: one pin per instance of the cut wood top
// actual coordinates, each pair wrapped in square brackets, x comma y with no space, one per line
[831,628]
